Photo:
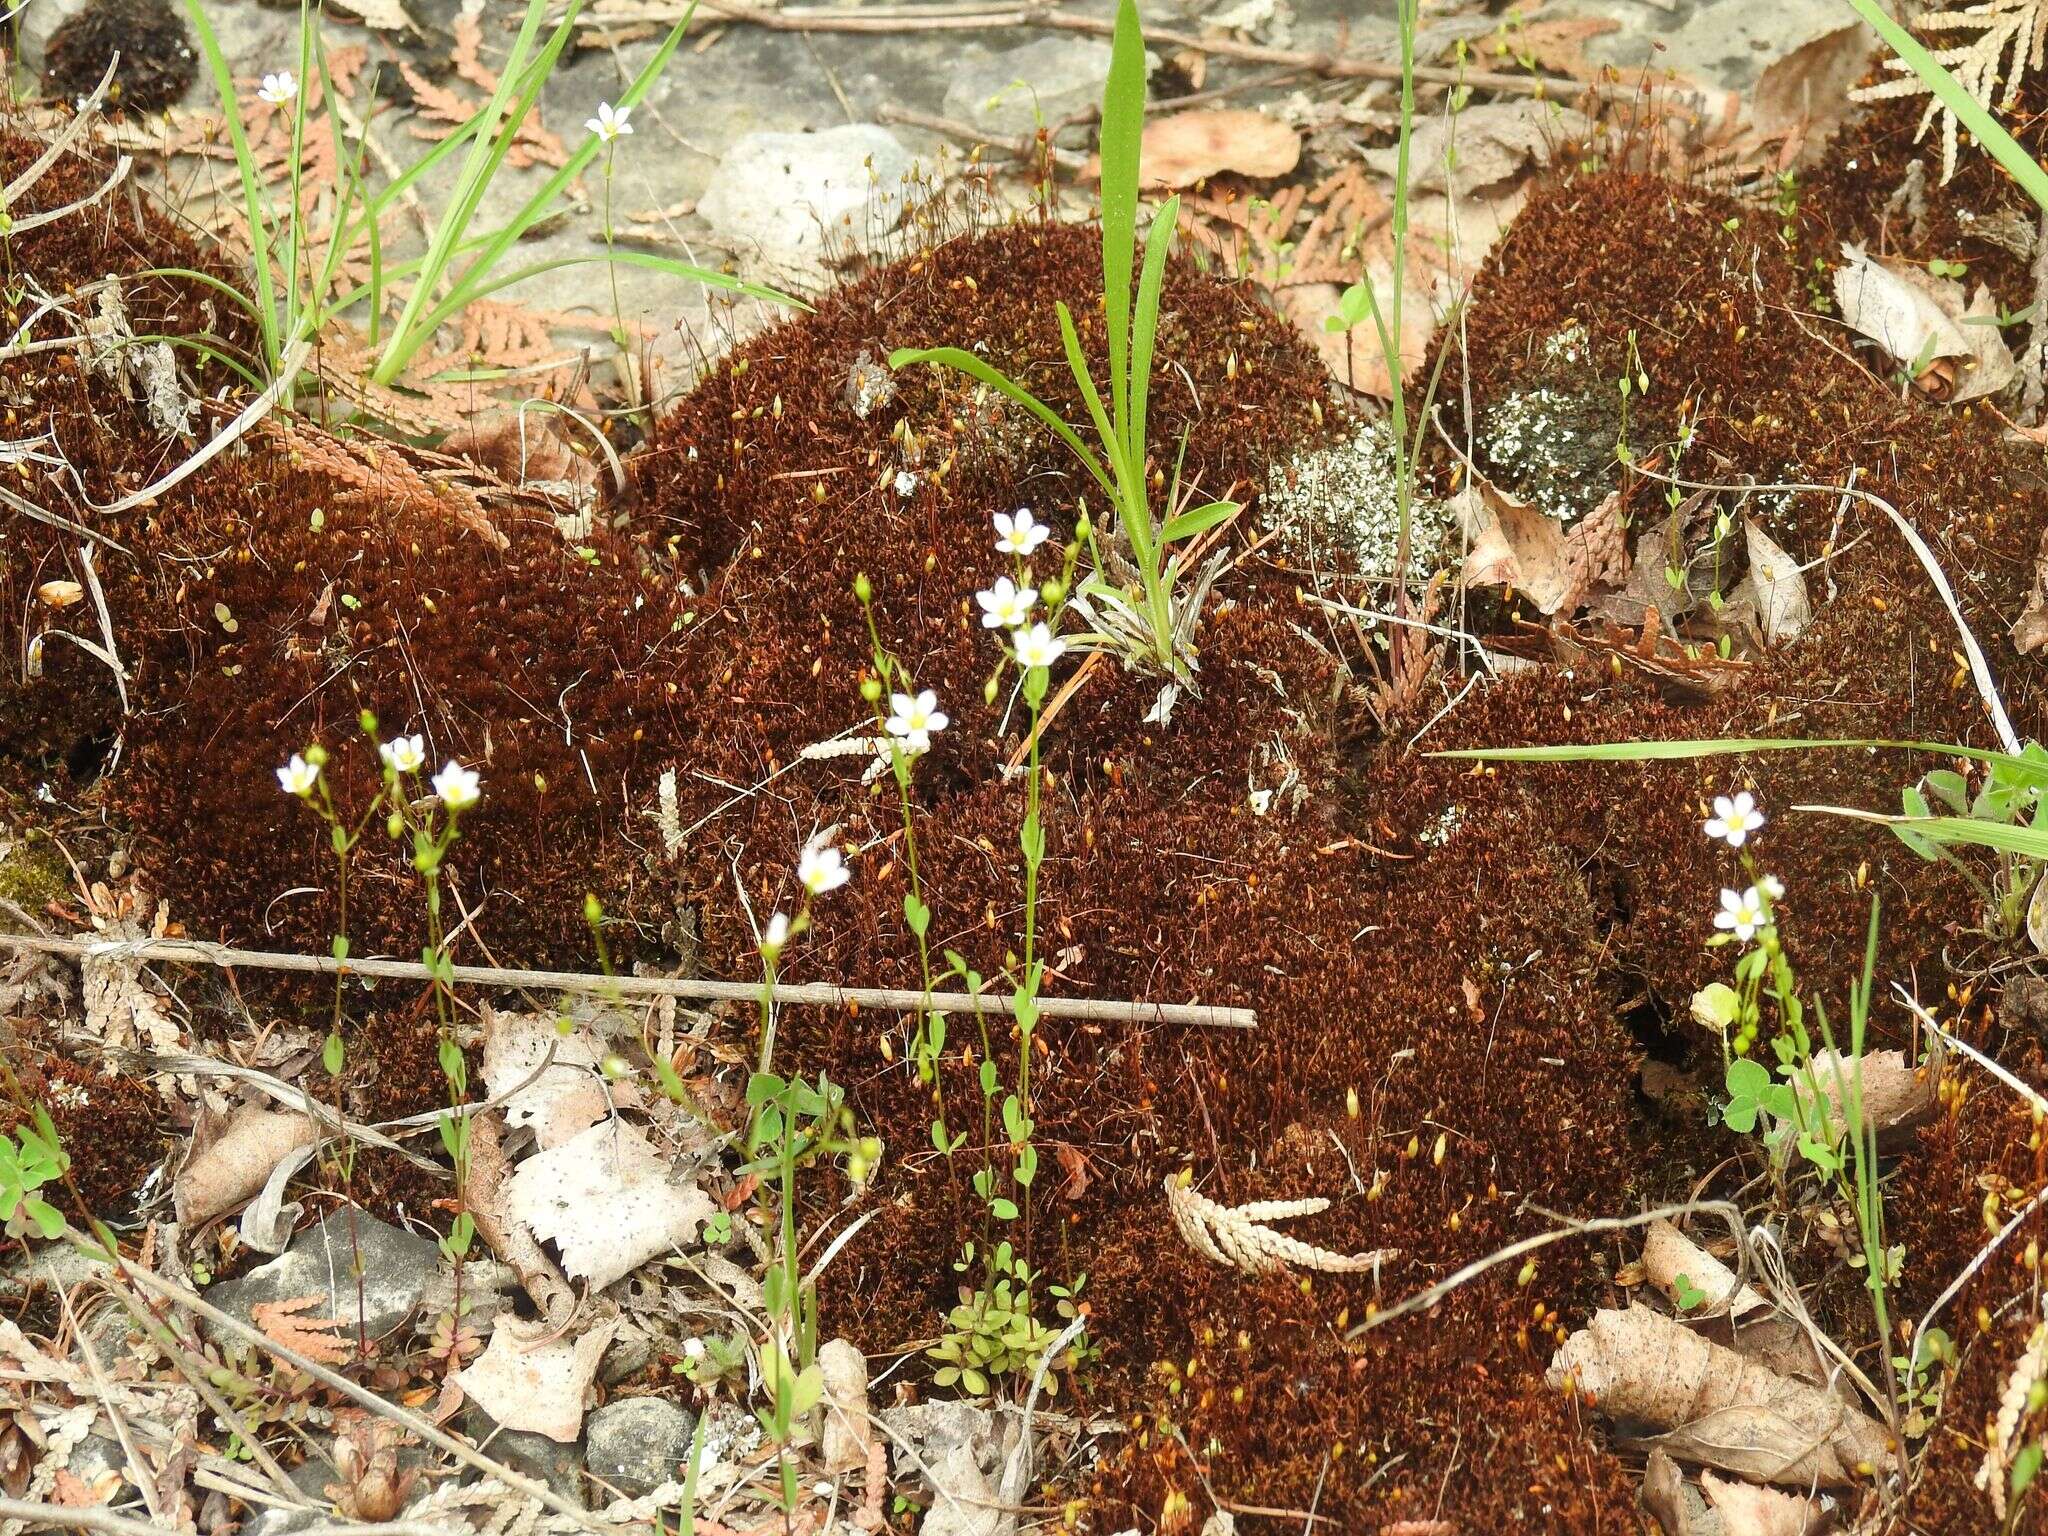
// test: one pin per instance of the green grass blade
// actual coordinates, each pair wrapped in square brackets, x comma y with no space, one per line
[1123,129]
[986,373]
[245,161]
[1197,520]
[1950,92]
[1664,751]
[1145,327]
[1077,364]
[1950,831]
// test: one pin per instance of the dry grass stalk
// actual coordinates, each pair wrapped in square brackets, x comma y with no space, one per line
[1237,1236]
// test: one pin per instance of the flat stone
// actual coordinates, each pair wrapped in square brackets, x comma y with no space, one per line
[637,1443]
[557,1463]
[397,1270]
[788,196]
[1008,94]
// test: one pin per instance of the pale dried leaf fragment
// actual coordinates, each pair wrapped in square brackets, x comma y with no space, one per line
[1716,1407]
[566,1097]
[529,1380]
[1783,607]
[1923,321]
[1237,1236]
[1182,148]
[607,1201]
[1484,146]
[236,1162]
[2030,629]
[1747,1510]
[1803,97]
[1514,543]
[60,594]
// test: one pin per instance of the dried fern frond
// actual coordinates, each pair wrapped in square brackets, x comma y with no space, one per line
[2027,1372]
[1236,1236]
[2019,27]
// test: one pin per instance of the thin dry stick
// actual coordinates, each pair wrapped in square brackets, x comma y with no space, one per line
[66,1517]
[812,994]
[1422,1301]
[138,1469]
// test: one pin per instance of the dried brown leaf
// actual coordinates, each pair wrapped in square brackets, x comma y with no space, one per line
[1182,148]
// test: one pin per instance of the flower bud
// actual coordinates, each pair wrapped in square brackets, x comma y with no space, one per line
[593,910]
[863,589]
[871,689]
[1053,590]
[369,723]
[394,825]
[317,755]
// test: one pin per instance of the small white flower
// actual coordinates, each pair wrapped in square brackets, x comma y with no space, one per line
[1006,605]
[458,787]
[1772,887]
[298,776]
[1741,913]
[1734,819]
[774,938]
[1019,535]
[820,868]
[610,124]
[693,1349]
[915,720]
[1037,646]
[279,88]
[404,754]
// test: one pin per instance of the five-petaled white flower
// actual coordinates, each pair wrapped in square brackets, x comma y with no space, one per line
[914,720]
[1019,535]
[279,88]
[1006,605]
[776,934]
[404,754]
[611,123]
[820,867]
[458,787]
[298,776]
[1734,819]
[1038,646]
[1741,913]
[1772,887]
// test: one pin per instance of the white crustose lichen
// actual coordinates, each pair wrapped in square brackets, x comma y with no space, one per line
[1336,506]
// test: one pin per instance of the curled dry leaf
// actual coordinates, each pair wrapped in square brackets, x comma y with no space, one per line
[527,1379]
[1514,543]
[1953,349]
[2030,629]
[1803,97]
[60,594]
[1238,1237]
[606,1200]
[1898,1098]
[234,1163]
[1716,1407]
[1182,148]
[1486,146]
[1783,608]
[1747,1510]
[1668,1255]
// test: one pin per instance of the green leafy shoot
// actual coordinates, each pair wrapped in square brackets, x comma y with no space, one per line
[30,1161]
[1159,637]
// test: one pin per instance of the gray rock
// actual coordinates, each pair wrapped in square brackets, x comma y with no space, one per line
[628,1356]
[312,1478]
[637,1443]
[397,1269]
[557,1463]
[1008,94]
[786,195]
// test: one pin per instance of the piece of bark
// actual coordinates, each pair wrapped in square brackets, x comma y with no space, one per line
[483,1194]
[1714,1406]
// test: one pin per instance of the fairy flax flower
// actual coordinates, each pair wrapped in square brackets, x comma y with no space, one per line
[298,777]
[820,868]
[1006,605]
[610,124]
[1019,534]
[1742,913]
[404,754]
[1734,819]
[915,720]
[1037,646]
[279,88]
[458,787]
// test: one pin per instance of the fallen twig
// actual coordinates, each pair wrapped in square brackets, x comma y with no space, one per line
[812,994]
